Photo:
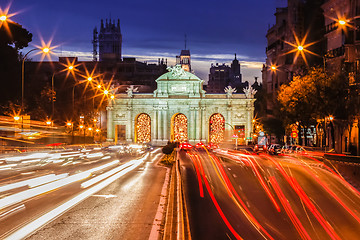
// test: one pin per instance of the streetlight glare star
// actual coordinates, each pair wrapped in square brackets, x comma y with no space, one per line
[46,50]
[342,22]
[3,18]
[300,48]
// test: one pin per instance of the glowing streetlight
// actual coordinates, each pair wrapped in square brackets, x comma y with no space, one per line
[71,67]
[97,130]
[89,79]
[300,48]
[16,118]
[90,129]
[46,50]
[81,126]
[273,67]
[342,22]
[98,86]
[112,97]
[3,18]
[331,118]
[69,124]
[106,92]
[48,122]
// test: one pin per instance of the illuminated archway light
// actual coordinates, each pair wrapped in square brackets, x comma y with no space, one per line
[143,128]
[180,128]
[217,128]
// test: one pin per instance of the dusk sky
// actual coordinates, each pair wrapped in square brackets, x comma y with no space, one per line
[155,29]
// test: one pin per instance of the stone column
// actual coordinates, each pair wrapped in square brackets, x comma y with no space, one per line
[198,124]
[130,125]
[191,124]
[250,112]
[204,127]
[165,124]
[160,124]
[110,124]
[154,125]
[229,121]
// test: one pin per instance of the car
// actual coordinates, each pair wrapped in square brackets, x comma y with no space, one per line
[274,149]
[199,145]
[258,148]
[212,146]
[185,146]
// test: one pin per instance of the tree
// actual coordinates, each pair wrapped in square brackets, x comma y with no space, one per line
[317,95]
[13,37]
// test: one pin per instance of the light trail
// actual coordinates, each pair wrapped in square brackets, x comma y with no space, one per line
[244,158]
[232,193]
[50,216]
[300,192]
[30,182]
[290,212]
[324,185]
[201,189]
[27,194]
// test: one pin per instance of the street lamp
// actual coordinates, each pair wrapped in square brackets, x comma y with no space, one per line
[3,18]
[45,50]
[70,68]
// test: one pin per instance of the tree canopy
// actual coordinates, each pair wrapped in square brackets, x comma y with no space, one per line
[13,37]
[316,95]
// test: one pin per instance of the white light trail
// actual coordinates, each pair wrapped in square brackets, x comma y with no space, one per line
[105,175]
[25,183]
[24,195]
[44,219]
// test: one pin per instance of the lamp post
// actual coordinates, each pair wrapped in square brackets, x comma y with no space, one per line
[45,50]
[69,68]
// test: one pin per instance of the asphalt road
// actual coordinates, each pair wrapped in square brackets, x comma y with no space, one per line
[234,195]
[83,194]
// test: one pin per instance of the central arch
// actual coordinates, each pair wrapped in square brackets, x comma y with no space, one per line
[179,128]
[216,128]
[143,128]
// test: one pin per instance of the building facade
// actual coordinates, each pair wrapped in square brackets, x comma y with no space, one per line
[109,40]
[222,75]
[179,110]
[184,59]
[343,56]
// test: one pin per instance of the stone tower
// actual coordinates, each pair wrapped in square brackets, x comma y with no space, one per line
[110,41]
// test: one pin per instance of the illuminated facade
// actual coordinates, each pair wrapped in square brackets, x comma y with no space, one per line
[179,110]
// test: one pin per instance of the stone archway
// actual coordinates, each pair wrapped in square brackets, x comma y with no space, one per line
[142,128]
[179,128]
[216,128]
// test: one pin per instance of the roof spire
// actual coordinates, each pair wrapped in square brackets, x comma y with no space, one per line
[235,56]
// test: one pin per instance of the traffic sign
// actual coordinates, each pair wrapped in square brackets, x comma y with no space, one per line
[294,134]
